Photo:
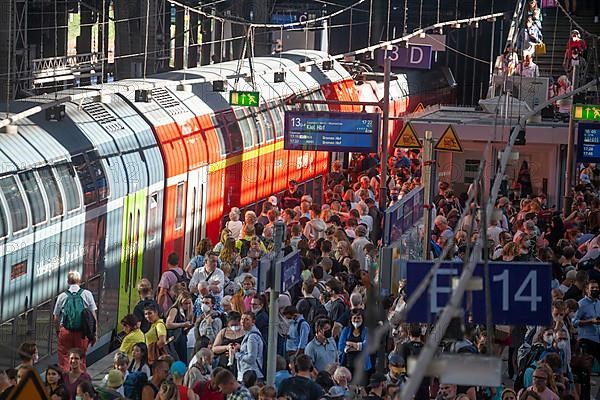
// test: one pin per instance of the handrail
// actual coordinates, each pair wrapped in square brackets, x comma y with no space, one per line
[515,24]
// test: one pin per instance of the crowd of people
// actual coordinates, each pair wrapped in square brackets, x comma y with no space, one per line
[530,43]
[201,332]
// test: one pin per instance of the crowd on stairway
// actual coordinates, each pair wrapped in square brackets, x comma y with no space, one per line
[531,44]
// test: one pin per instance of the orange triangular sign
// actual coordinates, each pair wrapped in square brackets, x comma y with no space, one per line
[408,138]
[30,387]
[449,141]
[419,108]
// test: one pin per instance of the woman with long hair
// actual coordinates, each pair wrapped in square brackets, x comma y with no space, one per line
[353,341]
[232,333]
[225,234]
[139,359]
[179,322]
[55,386]
[343,253]
[242,300]
[230,255]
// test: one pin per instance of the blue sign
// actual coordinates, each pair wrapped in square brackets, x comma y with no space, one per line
[417,56]
[331,131]
[403,215]
[520,292]
[588,144]
[290,270]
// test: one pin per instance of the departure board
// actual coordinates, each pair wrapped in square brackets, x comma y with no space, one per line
[588,145]
[331,131]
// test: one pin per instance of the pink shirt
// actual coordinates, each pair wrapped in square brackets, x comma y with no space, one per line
[547,394]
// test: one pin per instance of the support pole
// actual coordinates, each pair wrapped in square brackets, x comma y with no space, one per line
[427,178]
[570,149]
[385,105]
[278,233]
[486,270]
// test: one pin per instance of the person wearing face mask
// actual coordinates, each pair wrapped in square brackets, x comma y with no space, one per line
[209,322]
[353,341]
[232,333]
[298,331]
[322,349]
[262,317]
[587,322]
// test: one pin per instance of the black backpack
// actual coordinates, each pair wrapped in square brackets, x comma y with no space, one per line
[244,248]
[182,280]
[529,355]
[311,333]
[317,311]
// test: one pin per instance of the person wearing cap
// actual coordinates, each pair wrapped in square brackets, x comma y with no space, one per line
[397,369]
[113,388]
[178,369]
[376,386]
[291,196]
[301,386]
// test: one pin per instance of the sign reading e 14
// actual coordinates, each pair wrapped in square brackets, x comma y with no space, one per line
[520,292]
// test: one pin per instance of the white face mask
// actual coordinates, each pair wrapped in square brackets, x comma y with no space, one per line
[256,309]
[206,308]
[423,330]
[562,345]
[356,325]
[548,339]
[236,328]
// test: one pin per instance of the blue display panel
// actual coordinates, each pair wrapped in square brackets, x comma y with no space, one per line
[331,131]
[588,144]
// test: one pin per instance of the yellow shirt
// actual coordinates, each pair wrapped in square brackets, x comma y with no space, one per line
[134,337]
[157,330]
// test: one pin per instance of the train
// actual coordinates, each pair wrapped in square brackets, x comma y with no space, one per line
[109,185]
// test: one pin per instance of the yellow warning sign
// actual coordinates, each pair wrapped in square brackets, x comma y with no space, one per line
[419,108]
[30,387]
[449,141]
[408,138]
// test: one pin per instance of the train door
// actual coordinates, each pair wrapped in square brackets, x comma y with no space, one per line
[195,216]
[132,250]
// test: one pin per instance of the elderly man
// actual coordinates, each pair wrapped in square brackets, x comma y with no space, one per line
[211,274]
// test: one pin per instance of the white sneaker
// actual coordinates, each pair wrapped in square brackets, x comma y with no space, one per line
[596,19]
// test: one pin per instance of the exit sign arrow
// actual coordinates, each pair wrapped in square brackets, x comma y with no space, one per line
[241,98]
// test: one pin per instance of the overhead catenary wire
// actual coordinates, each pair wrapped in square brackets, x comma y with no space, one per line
[150,85]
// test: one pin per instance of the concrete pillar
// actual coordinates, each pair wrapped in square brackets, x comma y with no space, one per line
[194,46]
[179,37]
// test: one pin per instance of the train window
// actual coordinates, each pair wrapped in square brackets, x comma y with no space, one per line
[179,217]
[277,115]
[3,224]
[220,135]
[15,203]
[266,123]
[152,217]
[52,192]
[100,177]
[86,178]
[231,130]
[66,177]
[34,195]
[247,127]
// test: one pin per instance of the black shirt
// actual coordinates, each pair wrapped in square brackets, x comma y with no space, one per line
[573,293]
[300,388]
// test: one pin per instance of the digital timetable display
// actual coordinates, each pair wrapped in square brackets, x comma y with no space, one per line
[331,131]
[588,145]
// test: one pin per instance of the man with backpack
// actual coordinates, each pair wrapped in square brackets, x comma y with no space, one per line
[172,282]
[299,332]
[73,314]
[310,307]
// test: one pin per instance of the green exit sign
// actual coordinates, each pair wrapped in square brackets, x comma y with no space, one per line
[586,112]
[248,99]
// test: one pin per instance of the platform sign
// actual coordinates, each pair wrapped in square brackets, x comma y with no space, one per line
[331,131]
[417,56]
[247,99]
[449,141]
[408,138]
[402,216]
[588,143]
[290,270]
[586,112]
[520,292]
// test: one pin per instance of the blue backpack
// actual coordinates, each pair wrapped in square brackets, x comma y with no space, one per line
[133,385]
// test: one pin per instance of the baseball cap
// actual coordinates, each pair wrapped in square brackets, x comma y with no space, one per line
[178,368]
[396,359]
